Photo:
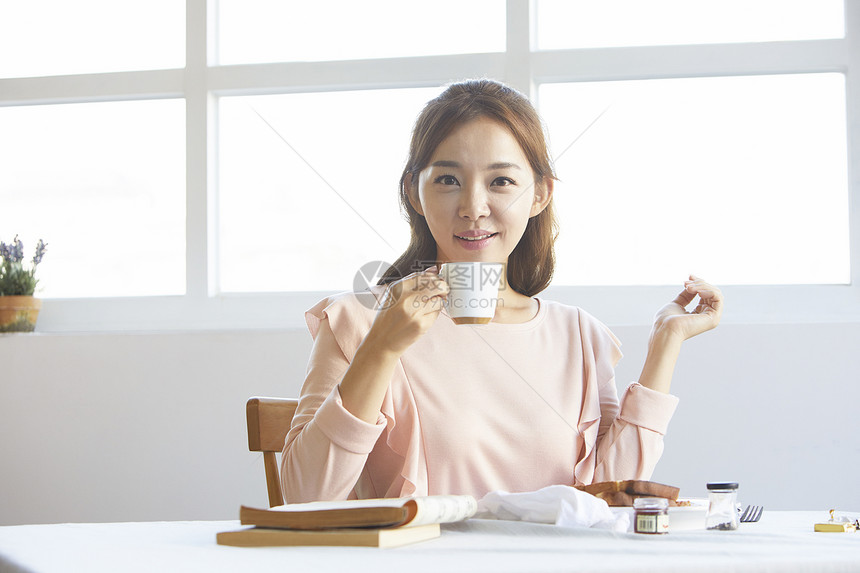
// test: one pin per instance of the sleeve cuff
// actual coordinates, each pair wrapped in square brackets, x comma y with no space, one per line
[344,429]
[647,408]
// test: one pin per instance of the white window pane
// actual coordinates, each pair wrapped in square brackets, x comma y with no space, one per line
[742,180]
[104,185]
[57,37]
[273,30]
[308,201]
[604,23]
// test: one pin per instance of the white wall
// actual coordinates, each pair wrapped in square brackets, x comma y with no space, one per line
[136,426]
[122,427]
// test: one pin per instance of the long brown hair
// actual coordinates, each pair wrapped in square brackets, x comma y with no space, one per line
[532,262]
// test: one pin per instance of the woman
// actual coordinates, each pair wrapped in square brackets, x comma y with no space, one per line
[400,401]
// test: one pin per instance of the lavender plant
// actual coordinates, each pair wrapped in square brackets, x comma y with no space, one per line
[15,280]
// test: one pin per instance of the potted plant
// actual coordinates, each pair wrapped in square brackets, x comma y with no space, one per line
[18,307]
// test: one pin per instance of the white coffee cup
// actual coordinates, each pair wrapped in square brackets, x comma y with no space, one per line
[474,290]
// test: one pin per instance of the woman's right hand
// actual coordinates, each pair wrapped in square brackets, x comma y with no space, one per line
[407,310]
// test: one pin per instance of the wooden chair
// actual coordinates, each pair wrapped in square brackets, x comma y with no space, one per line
[268,423]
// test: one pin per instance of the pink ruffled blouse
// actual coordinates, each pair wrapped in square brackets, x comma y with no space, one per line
[472,409]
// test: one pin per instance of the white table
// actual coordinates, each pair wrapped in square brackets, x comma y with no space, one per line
[783,541]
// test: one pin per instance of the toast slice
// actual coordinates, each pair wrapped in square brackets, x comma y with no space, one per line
[622,493]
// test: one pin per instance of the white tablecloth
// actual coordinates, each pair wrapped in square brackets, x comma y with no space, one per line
[783,541]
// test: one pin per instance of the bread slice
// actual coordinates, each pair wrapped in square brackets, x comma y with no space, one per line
[622,493]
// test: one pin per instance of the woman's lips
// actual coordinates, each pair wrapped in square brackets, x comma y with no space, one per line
[474,240]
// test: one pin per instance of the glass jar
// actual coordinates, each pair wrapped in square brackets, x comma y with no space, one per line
[722,509]
[651,515]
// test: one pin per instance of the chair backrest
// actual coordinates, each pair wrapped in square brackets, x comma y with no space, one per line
[268,423]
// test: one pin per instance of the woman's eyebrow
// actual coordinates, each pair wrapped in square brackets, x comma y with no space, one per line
[455,164]
[445,163]
[503,165]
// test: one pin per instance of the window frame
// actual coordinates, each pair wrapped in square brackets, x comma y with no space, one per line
[202,82]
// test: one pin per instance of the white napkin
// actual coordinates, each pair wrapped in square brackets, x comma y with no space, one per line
[559,504]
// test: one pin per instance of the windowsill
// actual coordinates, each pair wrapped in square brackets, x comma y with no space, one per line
[614,305]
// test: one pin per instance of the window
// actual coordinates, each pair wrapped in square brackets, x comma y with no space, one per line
[189,175]
[104,185]
[566,24]
[303,205]
[277,31]
[671,165]
[55,37]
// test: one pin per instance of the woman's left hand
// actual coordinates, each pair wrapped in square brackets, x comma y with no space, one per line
[675,321]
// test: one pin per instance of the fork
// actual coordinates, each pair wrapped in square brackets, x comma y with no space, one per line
[752,513]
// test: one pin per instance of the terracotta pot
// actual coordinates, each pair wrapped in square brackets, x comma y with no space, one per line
[19,313]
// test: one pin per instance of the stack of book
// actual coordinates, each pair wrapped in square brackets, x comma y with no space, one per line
[366,522]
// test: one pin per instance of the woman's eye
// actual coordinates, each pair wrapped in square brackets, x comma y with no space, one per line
[503,182]
[446,180]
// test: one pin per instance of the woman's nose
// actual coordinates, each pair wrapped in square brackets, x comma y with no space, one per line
[473,203]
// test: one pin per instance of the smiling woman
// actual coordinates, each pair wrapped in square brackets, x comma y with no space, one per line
[401,399]
[476,210]
[517,132]
[455,197]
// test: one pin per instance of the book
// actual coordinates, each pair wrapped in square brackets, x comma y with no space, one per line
[388,522]
[381,512]
[367,537]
